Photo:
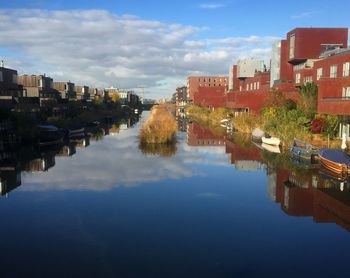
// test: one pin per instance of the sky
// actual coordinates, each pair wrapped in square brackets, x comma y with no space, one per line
[152,44]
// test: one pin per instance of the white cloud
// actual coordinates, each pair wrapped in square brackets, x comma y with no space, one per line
[302,15]
[105,165]
[211,6]
[100,49]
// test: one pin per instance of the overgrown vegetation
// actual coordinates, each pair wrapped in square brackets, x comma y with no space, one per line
[207,116]
[282,117]
[159,128]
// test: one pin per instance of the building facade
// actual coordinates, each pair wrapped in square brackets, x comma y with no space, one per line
[195,83]
[65,90]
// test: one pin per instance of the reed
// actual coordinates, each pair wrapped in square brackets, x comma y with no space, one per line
[159,128]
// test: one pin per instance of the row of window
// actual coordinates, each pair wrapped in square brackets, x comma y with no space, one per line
[214,80]
[251,86]
[333,72]
[14,78]
[210,85]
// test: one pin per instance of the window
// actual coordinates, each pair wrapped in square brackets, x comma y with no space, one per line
[346,69]
[258,85]
[333,71]
[308,79]
[41,83]
[291,46]
[346,92]
[247,87]
[251,86]
[297,78]
[319,74]
[1,79]
[240,88]
[14,78]
[254,85]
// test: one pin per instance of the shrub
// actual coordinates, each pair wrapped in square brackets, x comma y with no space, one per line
[159,128]
[246,122]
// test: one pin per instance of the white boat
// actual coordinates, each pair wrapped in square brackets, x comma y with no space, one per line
[271,148]
[271,140]
[257,133]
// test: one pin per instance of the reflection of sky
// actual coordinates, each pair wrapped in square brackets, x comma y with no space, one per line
[117,161]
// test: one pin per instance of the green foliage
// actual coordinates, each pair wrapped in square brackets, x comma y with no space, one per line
[330,129]
[285,124]
[276,99]
[207,117]
[290,104]
[246,122]
[308,100]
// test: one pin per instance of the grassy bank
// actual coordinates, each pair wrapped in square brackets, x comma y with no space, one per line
[281,117]
[159,128]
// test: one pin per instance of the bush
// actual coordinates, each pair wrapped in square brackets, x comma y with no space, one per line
[246,122]
[159,128]
[285,124]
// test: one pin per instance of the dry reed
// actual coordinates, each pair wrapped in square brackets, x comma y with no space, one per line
[159,128]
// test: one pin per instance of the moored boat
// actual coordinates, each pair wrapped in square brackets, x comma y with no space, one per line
[301,149]
[75,132]
[49,135]
[271,140]
[257,134]
[335,160]
[271,148]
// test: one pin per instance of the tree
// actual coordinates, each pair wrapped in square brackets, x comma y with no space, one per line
[276,99]
[115,97]
[308,100]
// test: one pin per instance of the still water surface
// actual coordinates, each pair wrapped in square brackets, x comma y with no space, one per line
[210,207]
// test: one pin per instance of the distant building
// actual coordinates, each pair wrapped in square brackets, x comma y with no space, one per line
[65,89]
[248,67]
[9,88]
[38,86]
[82,92]
[195,83]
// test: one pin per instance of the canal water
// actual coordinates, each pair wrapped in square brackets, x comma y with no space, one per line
[214,205]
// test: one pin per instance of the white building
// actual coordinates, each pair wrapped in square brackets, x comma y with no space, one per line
[247,68]
[275,63]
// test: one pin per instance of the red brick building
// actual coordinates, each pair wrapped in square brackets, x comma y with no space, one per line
[211,97]
[309,43]
[194,83]
[200,136]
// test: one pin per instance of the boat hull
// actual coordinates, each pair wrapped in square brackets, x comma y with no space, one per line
[329,159]
[271,141]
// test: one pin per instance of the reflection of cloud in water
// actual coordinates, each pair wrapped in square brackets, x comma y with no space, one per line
[117,161]
[209,195]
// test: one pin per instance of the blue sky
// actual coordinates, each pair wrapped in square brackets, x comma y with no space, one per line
[207,35]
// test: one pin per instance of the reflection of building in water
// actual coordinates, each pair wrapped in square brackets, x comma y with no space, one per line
[10,178]
[82,142]
[311,195]
[200,136]
[181,123]
[67,150]
[271,183]
[41,164]
[244,158]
